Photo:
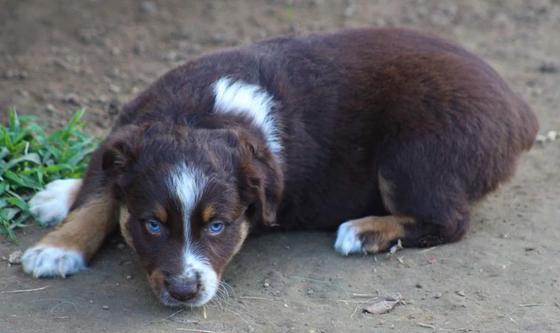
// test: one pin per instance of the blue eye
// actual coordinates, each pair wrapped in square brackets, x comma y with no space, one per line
[215,228]
[153,226]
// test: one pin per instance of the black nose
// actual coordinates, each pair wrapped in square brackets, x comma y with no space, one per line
[182,289]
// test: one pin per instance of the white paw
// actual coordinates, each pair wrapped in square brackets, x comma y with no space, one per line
[51,205]
[48,261]
[347,240]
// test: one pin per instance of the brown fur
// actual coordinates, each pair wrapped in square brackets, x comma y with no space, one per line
[207,213]
[161,213]
[377,233]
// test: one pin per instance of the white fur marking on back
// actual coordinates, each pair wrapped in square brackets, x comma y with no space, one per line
[188,184]
[252,101]
[51,205]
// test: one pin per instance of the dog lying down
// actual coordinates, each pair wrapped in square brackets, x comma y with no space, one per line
[385,134]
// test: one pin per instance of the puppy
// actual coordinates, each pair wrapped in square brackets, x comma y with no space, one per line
[386,134]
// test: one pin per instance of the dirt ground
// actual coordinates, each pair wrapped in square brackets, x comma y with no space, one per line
[503,277]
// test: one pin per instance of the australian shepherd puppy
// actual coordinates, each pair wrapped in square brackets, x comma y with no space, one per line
[385,134]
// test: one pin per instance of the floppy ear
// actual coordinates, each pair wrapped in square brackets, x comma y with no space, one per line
[263,182]
[120,151]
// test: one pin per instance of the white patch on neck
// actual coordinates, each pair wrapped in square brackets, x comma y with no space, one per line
[188,183]
[250,100]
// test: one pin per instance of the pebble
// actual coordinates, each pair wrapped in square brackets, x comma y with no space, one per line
[548,137]
[129,277]
[15,257]
[71,98]
[460,293]
[114,88]
[148,7]
[105,307]
[139,48]
[50,108]
[23,93]
[438,295]
[15,74]
[549,68]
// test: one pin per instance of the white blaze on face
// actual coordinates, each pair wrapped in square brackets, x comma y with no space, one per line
[188,183]
[252,101]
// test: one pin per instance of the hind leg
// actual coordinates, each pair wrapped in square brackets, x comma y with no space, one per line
[88,212]
[427,201]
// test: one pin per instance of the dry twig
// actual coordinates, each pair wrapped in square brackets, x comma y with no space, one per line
[23,290]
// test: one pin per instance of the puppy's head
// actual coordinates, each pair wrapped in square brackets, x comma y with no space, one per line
[191,196]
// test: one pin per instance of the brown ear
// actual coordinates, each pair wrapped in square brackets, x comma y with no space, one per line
[121,150]
[263,181]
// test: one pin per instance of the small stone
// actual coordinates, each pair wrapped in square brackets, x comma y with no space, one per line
[419,286]
[171,56]
[50,108]
[90,301]
[102,99]
[120,246]
[350,10]
[71,98]
[105,307]
[551,135]
[148,7]
[529,249]
[15,74]
[310,291]
[139,48]
[23,93]
[114,88]
[548,68]
[460,293]
[115,51]
[129,277]
[286,305]
[15,257]
[438,295]
[266,284]
[113,107]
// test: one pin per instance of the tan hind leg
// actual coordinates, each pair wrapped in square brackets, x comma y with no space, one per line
[371,234]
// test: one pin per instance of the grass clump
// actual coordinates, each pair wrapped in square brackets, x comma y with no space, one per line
[30,158]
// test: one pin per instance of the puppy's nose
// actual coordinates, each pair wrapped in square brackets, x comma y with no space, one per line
[182,289]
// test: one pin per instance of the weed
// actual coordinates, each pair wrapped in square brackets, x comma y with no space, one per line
[30,158]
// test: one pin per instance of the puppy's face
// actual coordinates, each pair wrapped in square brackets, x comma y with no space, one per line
[191,197]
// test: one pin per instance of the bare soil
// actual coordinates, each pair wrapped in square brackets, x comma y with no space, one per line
[503,277]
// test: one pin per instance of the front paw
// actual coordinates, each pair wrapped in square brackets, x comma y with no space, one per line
[51,205]
[50,261]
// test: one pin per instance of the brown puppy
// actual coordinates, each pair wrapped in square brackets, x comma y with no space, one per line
[392,132]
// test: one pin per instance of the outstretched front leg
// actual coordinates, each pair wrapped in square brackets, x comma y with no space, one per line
[88,212]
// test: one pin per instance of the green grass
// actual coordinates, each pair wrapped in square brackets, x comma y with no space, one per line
[30,158]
